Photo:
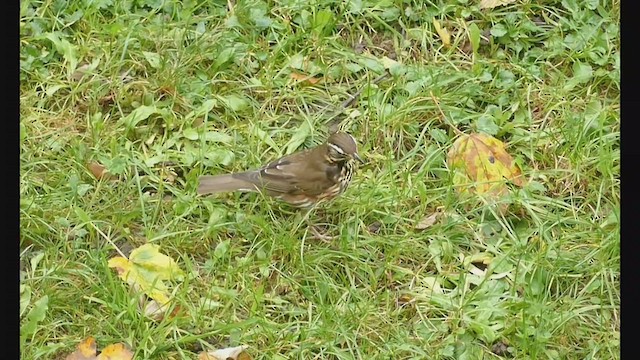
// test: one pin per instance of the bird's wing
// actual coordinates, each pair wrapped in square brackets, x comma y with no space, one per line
[293,174]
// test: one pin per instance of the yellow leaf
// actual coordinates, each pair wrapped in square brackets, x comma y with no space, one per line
[304,78]
[146,270]
[234,353]
[148,256]
[86,350]
[490,4]
[481,164]
[140,279]
[121,264]
[116,352]
[443,33]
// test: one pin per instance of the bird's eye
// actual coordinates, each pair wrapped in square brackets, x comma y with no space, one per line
[336,154]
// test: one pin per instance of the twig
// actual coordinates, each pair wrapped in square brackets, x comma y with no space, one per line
[334,121]
[108,239]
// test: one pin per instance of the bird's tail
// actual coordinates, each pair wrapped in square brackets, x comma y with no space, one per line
[223,183]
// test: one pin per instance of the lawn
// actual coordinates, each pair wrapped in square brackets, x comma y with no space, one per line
[124,104]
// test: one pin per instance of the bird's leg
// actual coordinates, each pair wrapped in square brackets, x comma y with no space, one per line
[317,234]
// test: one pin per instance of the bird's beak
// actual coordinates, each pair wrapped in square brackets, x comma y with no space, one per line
[357,157]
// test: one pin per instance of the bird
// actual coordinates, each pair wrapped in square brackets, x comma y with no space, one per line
[301,179]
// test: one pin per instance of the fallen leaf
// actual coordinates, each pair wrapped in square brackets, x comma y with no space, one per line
[155,311]
[116,352]
[148,256]
[490,4]
[146,270]
[87,349]
[481,165]
[98,170]
[234,353]
[443,33]
[429,220]
[304,78]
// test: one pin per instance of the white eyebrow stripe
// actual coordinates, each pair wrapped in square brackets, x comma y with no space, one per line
[336,148]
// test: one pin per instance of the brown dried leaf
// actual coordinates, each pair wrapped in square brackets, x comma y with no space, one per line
[98,170]
[304,78]
[234,353]
[429,220]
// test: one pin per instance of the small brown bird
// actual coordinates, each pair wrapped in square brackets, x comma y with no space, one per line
[301,179]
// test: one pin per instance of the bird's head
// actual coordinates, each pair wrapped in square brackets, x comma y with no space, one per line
[342,146]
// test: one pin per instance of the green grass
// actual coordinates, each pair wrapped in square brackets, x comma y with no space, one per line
[215,88]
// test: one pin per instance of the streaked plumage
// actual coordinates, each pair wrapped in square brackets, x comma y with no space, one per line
[301,179]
